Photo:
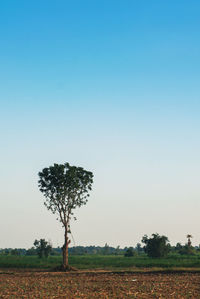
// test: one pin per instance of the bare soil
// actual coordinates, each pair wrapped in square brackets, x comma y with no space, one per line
[98,284]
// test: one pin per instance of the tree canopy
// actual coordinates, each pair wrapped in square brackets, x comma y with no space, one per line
[43,248]
[157,246]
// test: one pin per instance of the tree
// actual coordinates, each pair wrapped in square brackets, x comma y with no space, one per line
[106,249]
[189,240]
[31,251]
[187,250]
[157,246]
[178,246]
[117,250]
[65,188]
[130,252]
[139,248]
[15,251]
[43,248]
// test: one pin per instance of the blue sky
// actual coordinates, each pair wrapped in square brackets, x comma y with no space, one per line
[112,86]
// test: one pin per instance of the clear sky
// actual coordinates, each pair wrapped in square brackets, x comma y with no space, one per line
[112,86]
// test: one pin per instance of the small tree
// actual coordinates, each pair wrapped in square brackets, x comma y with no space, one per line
[117,250]
[43,248]
[178,246]
[139,248]
[65,188]
[187,250]
[130,252]
[157,246]
[31,251]
[15,252]
[106,249]
[189,240]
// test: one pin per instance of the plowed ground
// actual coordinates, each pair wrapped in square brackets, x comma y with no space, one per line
[98,285]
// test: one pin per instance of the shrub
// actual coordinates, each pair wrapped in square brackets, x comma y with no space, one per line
[130,252]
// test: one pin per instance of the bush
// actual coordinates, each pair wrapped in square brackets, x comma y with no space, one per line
[130,252]
[187,250]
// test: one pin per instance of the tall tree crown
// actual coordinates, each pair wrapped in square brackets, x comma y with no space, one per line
[65,188]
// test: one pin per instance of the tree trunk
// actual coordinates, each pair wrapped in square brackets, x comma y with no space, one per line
[65,251]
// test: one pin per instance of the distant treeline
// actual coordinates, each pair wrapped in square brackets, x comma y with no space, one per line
[98,250]
[75,250]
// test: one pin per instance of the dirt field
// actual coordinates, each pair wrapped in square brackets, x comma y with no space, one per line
[19,284]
